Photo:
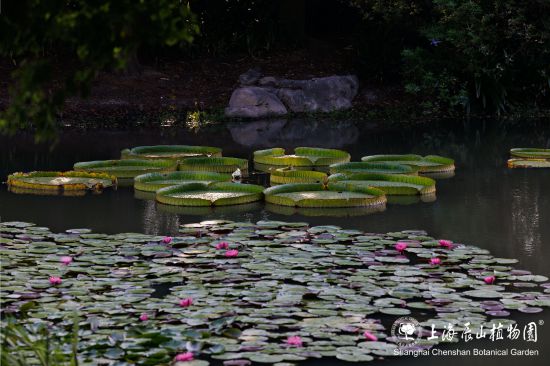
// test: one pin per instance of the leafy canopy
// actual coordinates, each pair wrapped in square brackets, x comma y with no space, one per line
[85,37]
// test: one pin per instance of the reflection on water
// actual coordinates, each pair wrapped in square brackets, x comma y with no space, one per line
[484,204]
[324,212]
[526,217]
[297,132]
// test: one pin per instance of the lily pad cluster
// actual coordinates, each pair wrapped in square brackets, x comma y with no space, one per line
[240,293]
[529,158]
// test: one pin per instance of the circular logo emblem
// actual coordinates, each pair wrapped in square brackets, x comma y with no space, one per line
[406,330]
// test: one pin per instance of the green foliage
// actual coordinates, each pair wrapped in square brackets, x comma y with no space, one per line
[482,54]
[236,25]
[37,342]
[86,37]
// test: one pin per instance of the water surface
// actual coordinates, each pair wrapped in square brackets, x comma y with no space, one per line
[506,211]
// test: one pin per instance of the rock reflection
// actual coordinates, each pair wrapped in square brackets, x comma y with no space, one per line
[294,132]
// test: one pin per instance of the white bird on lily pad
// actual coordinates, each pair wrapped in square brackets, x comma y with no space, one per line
[237,175]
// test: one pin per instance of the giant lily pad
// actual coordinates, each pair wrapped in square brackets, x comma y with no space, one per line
[372,167]
[170,152]
[528,163]
[151,182]
[126,168]
[60,181]
[530,153]
[302,157]
[424,164]
[213,194]
[319,195]
[286,175]
[391,184]
[219,165]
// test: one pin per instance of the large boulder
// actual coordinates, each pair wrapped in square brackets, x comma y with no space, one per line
[326,94]
[273,97]
[254,102]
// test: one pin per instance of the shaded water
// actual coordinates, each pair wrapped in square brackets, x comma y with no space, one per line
[486,204]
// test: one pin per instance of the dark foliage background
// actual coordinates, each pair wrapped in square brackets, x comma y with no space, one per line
[452,56]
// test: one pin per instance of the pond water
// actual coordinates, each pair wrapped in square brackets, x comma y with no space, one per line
[506,211]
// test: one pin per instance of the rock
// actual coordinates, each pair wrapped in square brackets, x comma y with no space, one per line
[254,102]
[319,94]
[250,77]
[275,97]
[268,81]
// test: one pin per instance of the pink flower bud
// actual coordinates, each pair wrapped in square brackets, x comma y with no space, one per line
[400,246]
[222,245]
[184,303]
[66,260]
[54,280]
[369,336]
[232,253]
[294,341]
[187,356]
[445,243]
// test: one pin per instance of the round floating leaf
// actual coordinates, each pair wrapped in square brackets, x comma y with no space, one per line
[531,153]
[177,152]
[152,182]
[424,164]
[127,168]
[391,184]
[528,163]
[285,176]
[303,156]
[318,195]
[61,181]
[371,167]
[214,164]
[487,294]
[214,194]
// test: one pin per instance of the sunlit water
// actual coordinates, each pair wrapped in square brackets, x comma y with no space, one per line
[486,204]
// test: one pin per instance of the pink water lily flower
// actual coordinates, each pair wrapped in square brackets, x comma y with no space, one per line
[184,303]
[54,280]
[187,356]
[66,260]
[144,317]
[222,245]
[400,246]
[490,280]
[435,261]
[232,253]
[445,243]
[369,336]
[294,341]
[167,239]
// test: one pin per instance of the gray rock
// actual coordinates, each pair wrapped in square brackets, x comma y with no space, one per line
[250,77]
[275,97]
[319,94]
[254,102]
[268,81]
